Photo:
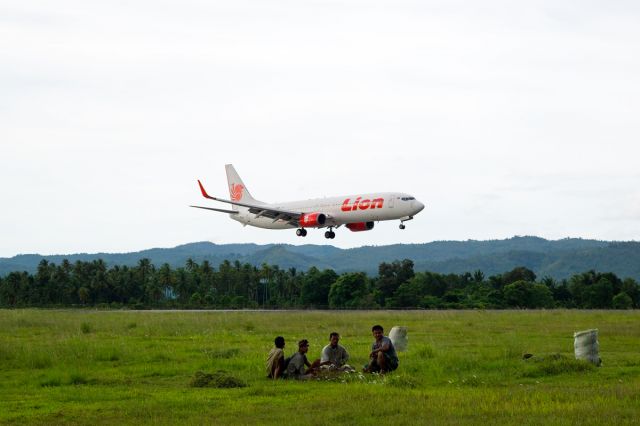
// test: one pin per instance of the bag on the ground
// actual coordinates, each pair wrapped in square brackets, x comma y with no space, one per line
[398,336]
[586,346]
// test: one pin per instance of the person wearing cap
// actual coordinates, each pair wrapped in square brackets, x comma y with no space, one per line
[275,359]
[298,362]
[383,357]
[335,354]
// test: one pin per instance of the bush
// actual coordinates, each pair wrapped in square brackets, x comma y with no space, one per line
[622,301]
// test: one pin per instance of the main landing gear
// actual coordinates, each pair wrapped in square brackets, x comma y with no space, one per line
[301,232]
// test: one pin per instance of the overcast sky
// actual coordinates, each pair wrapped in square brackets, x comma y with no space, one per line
[505,118]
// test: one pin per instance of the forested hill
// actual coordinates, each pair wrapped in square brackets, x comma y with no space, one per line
[557,259]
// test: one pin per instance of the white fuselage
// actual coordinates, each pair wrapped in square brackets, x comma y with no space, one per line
[340,210]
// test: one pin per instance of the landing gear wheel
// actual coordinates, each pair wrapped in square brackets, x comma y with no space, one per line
[330,234]
[301,232]
[402,226]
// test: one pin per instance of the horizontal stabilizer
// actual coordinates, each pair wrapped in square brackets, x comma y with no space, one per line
[256,207]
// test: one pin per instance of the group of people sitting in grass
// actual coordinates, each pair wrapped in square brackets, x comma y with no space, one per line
[334,357]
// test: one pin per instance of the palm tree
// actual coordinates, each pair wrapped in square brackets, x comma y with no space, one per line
[165,281]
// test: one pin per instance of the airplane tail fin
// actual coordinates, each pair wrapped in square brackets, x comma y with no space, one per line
[237,189]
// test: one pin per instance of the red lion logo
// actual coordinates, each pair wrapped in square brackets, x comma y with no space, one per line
[236,191]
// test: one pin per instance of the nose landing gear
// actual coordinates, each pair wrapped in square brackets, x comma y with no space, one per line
[403,220]
[301,232]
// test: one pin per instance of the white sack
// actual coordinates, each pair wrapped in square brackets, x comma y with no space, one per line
[398,336]
[586,346]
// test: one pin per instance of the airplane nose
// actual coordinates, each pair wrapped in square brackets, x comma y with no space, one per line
[419,207]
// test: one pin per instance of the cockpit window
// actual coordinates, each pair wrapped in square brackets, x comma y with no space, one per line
[408,198]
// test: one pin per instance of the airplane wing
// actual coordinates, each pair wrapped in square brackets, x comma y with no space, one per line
[259,210]
[216,210]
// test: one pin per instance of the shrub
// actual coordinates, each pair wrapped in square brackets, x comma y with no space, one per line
[622,301]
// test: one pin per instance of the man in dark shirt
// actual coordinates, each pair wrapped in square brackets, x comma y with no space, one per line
[383,357]
[298,362]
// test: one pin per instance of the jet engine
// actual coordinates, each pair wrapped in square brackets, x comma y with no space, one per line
[312,220]
[360,226]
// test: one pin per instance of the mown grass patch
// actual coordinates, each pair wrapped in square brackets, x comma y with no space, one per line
[220,379]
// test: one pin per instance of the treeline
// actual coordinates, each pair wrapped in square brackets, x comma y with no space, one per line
[237,285]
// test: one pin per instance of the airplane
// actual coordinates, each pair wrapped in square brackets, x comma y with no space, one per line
[356,212]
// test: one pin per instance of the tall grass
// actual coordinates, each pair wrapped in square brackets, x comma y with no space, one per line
[460,367]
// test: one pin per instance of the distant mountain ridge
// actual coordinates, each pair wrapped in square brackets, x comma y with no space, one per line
[558,259]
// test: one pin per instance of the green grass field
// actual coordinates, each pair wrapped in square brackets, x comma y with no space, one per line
[112,367]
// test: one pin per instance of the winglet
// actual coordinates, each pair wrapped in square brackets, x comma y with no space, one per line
[204,193]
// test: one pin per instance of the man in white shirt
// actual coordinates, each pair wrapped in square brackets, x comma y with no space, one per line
[335,355]
[275,359]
